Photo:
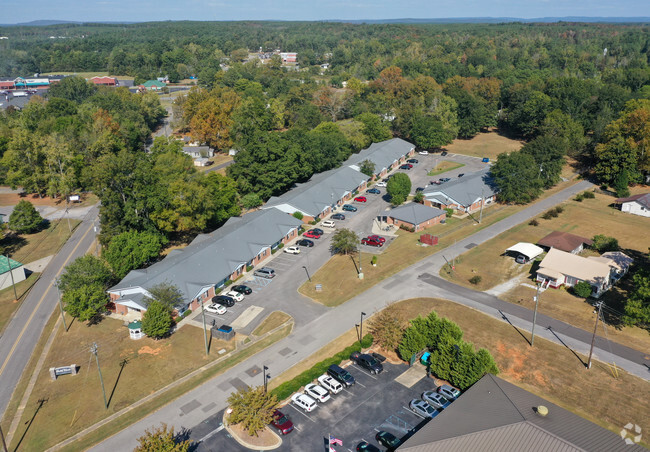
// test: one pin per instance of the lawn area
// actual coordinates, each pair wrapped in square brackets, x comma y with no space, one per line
[8,303]
[488,144]
[218,159]
[586,218]
[444,166]
[274,320]
[548,370]
[26,248]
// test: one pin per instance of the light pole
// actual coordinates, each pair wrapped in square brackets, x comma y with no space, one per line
[361,327]
[308,277]
[56,284]
[360,269]
[266,377]
[205,336]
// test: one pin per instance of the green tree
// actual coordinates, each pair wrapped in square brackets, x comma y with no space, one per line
[548,152]
[582,289]
[252,408]
[86,302]
[637,306]
[367,167]
[75,89]
[157,320]
[428,133]
[86,270]
[161,439]
[25,218]
[344,241]
[166,293]
[563,126]
[131,250]
[527,115]
[387,329]
[517,177]
[374,128]
[251,200]
[398,187]
[621,184]
[603,243]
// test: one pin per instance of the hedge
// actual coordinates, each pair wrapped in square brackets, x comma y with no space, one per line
[287,388]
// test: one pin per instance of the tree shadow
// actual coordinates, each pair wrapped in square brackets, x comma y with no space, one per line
[123,364]
[29,423]
[505,317]
[184,435]
[11,243]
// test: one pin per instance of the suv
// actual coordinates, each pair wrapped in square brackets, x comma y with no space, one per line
[338,216]
[328,224]
[265,272]
[224,300]
[349,208]
[341,375]
[330,384]
[368,362]
[304,401]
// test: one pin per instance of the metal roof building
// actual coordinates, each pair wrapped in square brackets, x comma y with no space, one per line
[463,192]
[382,154]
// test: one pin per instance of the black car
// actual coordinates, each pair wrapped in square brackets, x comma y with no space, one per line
[419,189]
[341,375]
[305,242]
[242,289]
[338,216]
[461,174]
[374,191]
[414,161]
[368,362]
[444,179]
[224,301]
[444,153]
[367,447]
[388,440]
[318,231]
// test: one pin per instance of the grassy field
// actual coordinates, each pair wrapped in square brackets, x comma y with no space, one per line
[9,304]
[548,370]
[444,166]
[274,320]
[586,218]
[27,248]
[488,144]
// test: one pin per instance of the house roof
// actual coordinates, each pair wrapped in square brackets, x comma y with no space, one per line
[643,199]
[194,149]
[382,154]
[527,249]
[415,213]
[156,83]
[5,262]
[494,415]
[564,241]
[210,258]
[579,267]
[615,259]
[464,191]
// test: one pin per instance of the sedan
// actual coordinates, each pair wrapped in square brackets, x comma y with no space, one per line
[317,393]
[318,231]
[235,295]
[242,289]
[349,208]
[370,242]
[449,392]
[381,184]
[338,216]
[305,242]
[388,440]
[282,422]
[423,152]
[292,250]
[444,153]
[435,400]
[444,179]
[360,199]
[377,238]
[374,191]
[311,234]
[461,174]
[224,300]
[406,166]
[413,161]
[367,447]
[422,408]
[216,309]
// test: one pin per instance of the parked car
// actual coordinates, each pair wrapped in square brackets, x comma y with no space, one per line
[377,238]
[521,259]
[360,199]
[406,166]
[423,152]
[422,408]
[461,174]
[303,401]
[419,189]
[370,242]
[265,272]
[435,399]
[292,249]
[380,184]
[330,384]
[363,446]
[444,153]
[449,392]
[368,362]
[311,234]
[338,216]
[341,375]
[436,182]
[444,179]
[242,289]
[215,308]
[349,208]
[235,295]
[485,160]
[388,440]
[305,242]
[317,392]
[282,422]
[374,191]
[413,161]
[328,224]
[224,300]
[318,231]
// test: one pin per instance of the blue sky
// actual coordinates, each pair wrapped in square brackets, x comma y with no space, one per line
[15,11]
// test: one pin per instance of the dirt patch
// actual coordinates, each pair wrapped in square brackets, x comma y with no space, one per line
[11,199]
[146,350]
[265,438]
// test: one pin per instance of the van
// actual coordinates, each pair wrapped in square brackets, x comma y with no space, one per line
[265,272]
[341,375]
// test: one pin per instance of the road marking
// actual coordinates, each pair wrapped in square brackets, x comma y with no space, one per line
[301,412]
[38,305]
[360,384]
[213,432]
[364,371]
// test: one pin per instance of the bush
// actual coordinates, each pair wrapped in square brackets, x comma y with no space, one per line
[274,250]
[449,212]
[228,282]
[280,246]
[533,222]
[419,197]
[251,201]
[547,215]
[298,215]
[249,268]
[312,222]
[475,279]
[603,243]
[582,289]
[407,228]
[579,197]
[589,195]
[373,261]
[559,209]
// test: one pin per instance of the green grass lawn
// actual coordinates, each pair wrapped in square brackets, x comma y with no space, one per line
[445,166]
[26,248]
[8,302]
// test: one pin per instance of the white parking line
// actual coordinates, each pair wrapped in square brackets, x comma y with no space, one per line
[365,372]
[301,412]
[213,432]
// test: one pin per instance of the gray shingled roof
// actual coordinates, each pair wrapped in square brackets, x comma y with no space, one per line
[415,213]
[642,198]
[494,415]
[465,190]
[382,154]
[210,258]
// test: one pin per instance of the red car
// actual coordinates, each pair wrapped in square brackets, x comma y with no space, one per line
[370,242]
[282,422]
[377,238]
[406,166]
[360,199]
[311,234]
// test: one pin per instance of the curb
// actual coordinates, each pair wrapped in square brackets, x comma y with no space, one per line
[251,446]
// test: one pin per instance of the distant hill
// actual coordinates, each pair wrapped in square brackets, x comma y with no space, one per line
[45,23]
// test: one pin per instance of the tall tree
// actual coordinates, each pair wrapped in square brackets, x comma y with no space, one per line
[86,302]
[25,218]
[86,270]
[548,152]
[398,188]
[517,177]
[131,250]
[157,320]
[344,241]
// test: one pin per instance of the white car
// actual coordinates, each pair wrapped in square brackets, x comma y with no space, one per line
[328,224]
[216,309]
[316,392]
[292,250]
[423,152]
[235,295]
[330,384]
[304,402]
[380,184]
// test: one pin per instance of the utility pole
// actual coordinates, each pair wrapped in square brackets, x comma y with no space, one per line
[58,292]
[93,350]
[361,328]
[532,339]
[205,334]
[593,338]
[360,270]
[480,215]
[11,273]
[67,214]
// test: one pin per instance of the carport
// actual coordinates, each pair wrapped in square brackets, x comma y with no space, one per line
[526,249]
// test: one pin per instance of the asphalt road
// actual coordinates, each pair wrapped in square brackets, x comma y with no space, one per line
[25,329]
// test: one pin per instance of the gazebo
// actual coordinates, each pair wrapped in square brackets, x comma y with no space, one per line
[135,330]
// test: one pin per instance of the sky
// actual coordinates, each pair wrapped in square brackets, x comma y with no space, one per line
[15,11]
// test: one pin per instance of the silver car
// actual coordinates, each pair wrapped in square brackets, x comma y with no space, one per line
[436,400]
[449,392]
[422,408]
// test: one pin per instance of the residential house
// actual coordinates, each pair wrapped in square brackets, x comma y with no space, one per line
[386,156]
[209,261]
[637,204]
[564,241]
[415,216]
[198,151]
[202,161]
[104,81]
[7,277]
[618,262]
[562,268]
[494,415]
[465,194]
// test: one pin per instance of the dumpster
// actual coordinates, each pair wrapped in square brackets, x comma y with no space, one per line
[425,358]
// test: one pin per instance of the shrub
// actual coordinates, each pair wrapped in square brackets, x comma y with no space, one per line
[419,197]
[228,282]
[475,279]
[249,268]
[579,197]
[589,195]
[312,222]
[274,250]
[407,228]
[280,246]
[533,222]
[559,209]
[582,289]
[547,215]
[604,243]
[449,212]
[298,215]
[373,261]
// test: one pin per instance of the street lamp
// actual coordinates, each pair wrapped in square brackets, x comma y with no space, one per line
[266,378]
[361,327]
[360,269]
[308,277]
[58,292]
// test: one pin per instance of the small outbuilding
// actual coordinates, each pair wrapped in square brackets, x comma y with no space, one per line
[415,216]
[564,241]
[135,330]
[7,277]
[524,251]
[637,204]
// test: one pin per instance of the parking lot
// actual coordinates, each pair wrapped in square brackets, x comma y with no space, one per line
[375,403]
